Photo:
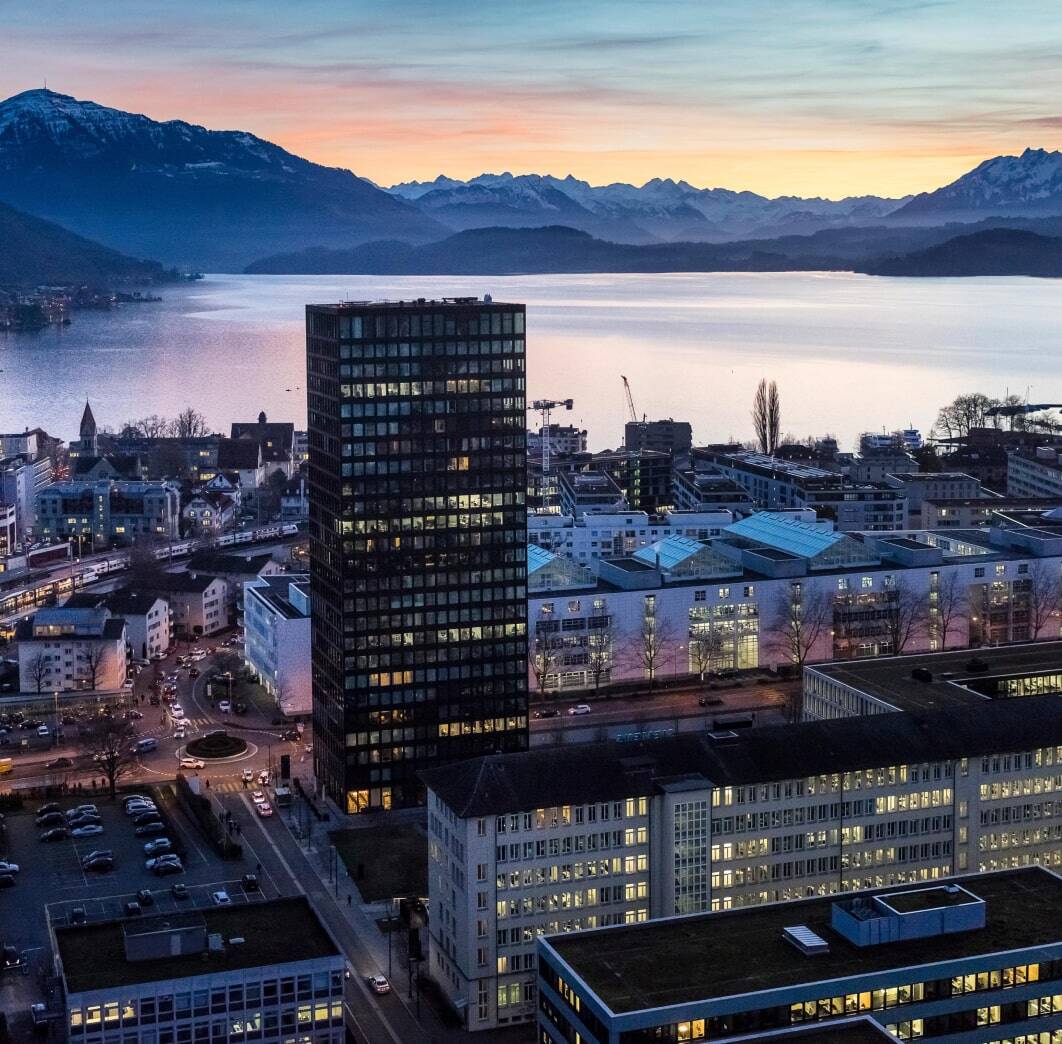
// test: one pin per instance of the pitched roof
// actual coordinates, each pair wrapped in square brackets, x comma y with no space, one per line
[238,454]
[609,771]
[181,583]
[213,562]
[88,422]
[806,539]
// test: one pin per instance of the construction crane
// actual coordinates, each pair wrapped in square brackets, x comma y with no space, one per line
[544,408]
[630,399]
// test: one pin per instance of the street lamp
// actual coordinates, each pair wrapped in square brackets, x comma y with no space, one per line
[55,706]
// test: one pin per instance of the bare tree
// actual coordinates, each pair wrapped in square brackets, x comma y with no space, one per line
[95,654]
[1044,597]
[38,670]
[964,413]
[801,616]
[904,611]
[542,657]
[950,604]
[145,568]
[651,644]
[188,424]
[599,657]
[706,649]
[767,416]
[109,741]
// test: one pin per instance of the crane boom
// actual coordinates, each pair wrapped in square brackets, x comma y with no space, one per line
[630,399]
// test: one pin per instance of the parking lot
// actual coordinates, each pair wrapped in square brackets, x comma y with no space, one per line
[51,875]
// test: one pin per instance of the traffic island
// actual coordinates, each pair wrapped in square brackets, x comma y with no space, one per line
[215,746]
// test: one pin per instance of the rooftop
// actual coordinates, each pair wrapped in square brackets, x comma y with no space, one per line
[609,771]
[710,955]
[786,533]
[419,302]
[953,683]
[276,932]
[210,562]
[845,1031]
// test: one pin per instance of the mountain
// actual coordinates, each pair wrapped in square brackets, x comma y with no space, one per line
[661,210]
[179,192]
[553,249]
[991,252]
[1029,184]
[37,252]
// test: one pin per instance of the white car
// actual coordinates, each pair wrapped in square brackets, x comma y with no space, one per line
[263,777]
[221,898]
[192,763]
[199,654]
[257,796]
[247,775]
[224,706]
[135,808]
[176,711]
[263,808]
[580,708]
[8,868]
[378,984]
[43,730]
[178,733]
[91,830]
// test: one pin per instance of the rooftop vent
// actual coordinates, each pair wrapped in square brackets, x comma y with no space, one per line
[215,943]
[237,940]
[722,735]
[805,940]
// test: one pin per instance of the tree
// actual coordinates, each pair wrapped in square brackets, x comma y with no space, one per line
[964,413]
[706,648]
[767,416]
[598,656]
[95,654]
[1043,597]
[949,600]
[188,424]
[651,644]
[904,612]
[801,616]
[38,670]
[542,657]
[109,741]
[145,569]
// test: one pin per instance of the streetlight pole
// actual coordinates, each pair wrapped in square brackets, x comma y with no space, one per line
[390,908]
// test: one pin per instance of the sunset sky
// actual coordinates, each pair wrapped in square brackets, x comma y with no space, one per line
[811,97]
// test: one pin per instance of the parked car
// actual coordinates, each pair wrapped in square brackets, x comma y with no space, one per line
[147,829]
[179,891]
[89,830]
[145,898]
[85,820]
[378,984]
[250,883]
[51,819]
[139,809]
[132,908]
[8,868]
[82,810]
[159,846]
[221,898]
[7,880]
[56,833]
[192,763]
[161,860]
[99,864]
[52,806]
[580,708]
[130,798]
[96,853]
[224,706]
[143,818]
[60,763]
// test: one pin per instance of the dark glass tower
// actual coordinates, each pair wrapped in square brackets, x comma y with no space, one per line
[418,540]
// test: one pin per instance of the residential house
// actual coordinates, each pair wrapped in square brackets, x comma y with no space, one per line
[64,649]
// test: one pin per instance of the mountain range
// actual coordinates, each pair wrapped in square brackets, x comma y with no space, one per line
[224,200]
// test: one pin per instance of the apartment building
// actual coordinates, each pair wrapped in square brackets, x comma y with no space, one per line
[661,436]
[680,607]
[1034,472]
[616,535]
[969,959]
[60,650]
[21,479]
[106,510]
[261,971]
[709,491]
[276,619]
[198,602]
[775,484]
[568,838]
[146,616]
[564,440]
[589,493]
[920,486]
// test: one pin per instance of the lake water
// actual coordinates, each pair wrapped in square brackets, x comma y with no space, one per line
[850,353]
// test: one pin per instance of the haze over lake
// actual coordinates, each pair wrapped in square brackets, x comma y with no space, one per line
[866,352]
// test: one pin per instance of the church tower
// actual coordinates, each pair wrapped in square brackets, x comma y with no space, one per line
[87,445]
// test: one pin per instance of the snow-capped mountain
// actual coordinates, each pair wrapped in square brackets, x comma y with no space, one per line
[179,192]
[1029,184]
[660,210]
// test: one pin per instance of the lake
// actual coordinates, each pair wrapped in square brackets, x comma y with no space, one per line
[850,353]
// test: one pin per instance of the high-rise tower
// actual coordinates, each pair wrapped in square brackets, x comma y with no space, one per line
[418,540]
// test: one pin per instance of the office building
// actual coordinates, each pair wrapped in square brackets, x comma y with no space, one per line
[662,436]
[591,835]
[967,959]
[730,604]
[276,621]
[778,485]
[1035,472]
[418,540]
[920,486]
[21,479]
[60,650]
[258,971]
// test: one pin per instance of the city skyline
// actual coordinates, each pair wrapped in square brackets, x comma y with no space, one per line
[823,99]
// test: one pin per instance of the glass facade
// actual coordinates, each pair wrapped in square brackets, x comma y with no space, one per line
[418,533]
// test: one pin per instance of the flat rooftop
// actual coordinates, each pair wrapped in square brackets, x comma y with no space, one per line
[954,684]
[849,1031]
[277,932]
[685,959]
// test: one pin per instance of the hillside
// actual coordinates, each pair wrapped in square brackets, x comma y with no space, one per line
[179,192]
[991,252]
[39,252]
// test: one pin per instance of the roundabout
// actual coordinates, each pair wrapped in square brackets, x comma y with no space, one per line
[216,746]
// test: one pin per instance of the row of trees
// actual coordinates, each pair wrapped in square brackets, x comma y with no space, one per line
[975,410]
[188,424]
[802,625]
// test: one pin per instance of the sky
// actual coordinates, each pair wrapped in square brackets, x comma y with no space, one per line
[807,97]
